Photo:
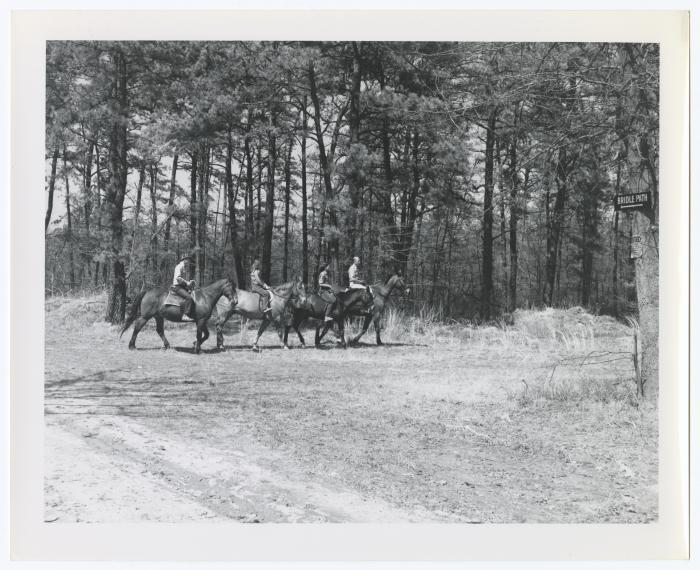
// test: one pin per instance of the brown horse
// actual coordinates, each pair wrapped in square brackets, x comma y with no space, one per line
[285,298]
[151,303]
[353,303]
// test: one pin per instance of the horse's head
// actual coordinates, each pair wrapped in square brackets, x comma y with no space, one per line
[396,281]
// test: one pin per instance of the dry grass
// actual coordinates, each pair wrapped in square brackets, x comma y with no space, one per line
[531,422]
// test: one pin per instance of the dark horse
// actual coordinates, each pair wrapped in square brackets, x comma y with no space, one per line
[151,303]
[285,299]
[349,303]
[315,308]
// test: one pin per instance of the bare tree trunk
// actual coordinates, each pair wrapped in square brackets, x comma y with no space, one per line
[616,265]
[287,191]
[325,168]
[116,190]
[487,243]
[353,181]
[137,212]
[504,236]
[513,229]
[52,185]
[258,206]
[202,207]
[304,206]
[269,199]
[385,205]
[555,227]
[98,207]
[250,212]
[233,225]
[171,206]
[69,228]
[87,187]
[153,171]
[588,238]
[194,206]
[647,280]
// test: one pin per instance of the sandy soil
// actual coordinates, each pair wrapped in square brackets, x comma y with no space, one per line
[424,432]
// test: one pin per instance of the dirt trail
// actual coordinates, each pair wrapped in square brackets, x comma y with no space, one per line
[442,432]
[163,477]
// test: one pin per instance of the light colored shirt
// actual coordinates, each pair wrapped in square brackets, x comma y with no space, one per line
[180,277]
[323,279]
[354,274]
[255,279]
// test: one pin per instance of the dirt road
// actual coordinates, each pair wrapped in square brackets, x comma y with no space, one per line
[442,431]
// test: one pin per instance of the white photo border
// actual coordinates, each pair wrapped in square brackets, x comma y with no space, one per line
[31,539]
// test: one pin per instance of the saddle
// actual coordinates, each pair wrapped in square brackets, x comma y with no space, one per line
[175,300]
[327,295]
[262,301]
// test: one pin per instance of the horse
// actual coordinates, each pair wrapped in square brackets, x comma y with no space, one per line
[353,302]
[151,303]
[315,309]
[285,298]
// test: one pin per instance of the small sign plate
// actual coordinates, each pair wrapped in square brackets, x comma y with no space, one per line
[636,201]
[636,247]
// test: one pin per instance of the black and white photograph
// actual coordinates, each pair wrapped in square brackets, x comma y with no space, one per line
[351,282]
[351,285]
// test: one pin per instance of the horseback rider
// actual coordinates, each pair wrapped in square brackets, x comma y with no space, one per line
[324,286]
[182,285]
[356,282]
[257,285]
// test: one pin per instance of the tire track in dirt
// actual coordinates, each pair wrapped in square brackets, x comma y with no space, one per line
[246,483]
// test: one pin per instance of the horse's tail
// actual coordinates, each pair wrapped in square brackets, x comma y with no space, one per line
[133,312]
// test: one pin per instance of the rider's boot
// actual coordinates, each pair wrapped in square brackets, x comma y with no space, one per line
[190,309]
[370,303]
[327,318]
[268,310]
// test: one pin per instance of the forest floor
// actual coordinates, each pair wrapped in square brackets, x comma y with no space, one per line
[533,422]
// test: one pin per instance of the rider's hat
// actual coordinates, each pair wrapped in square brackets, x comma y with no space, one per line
[187,257]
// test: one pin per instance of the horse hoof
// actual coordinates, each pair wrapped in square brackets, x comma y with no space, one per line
[132,347]
[285,347]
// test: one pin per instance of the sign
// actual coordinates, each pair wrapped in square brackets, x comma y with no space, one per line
[636,247]
[635,201]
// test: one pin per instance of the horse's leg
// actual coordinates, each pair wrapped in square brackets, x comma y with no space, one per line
[365,326]
[244,326]
[160,329]
[377,329]
[326,326]
[261,330]
[296,324]
[219,332]
[341,333]
[138,325]
[205,332]
[283,337]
